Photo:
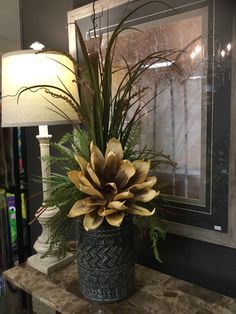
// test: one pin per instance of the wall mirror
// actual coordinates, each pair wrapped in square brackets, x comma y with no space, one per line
[191,118]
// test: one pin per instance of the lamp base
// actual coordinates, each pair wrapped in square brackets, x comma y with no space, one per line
[47,265]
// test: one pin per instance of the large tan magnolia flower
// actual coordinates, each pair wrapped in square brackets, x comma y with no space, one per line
[114,186]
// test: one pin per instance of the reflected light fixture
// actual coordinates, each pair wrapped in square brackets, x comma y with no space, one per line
[159,65]
[222,53]
[228,47]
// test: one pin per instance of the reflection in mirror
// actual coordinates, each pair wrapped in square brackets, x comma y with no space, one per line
[175,119]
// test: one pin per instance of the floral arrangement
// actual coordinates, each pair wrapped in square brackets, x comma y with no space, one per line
[104,176]
[115,186]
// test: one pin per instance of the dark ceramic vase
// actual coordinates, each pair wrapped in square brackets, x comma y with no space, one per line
[106,261]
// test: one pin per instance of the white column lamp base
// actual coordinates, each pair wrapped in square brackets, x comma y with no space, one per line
[52,262]
[48,265]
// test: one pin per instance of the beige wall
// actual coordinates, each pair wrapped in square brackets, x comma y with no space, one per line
[10,30]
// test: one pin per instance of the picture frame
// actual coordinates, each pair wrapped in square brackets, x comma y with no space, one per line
[220,228]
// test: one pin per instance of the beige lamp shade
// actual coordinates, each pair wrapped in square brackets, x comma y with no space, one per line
[25,68]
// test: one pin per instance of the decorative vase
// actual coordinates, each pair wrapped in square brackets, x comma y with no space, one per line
[106,261]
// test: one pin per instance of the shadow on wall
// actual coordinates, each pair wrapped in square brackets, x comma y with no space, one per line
[201,263]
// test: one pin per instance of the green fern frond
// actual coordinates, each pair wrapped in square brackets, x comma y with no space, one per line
[81,143]
[156,233]
[60,225]
[61,187]
[133,140]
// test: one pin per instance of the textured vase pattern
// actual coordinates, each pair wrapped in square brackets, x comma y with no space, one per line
[106,262]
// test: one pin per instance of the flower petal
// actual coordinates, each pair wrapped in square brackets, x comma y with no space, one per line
[78,209]
[114,146]
[148,184]
[82,162]
[93,175]
[123,196]
[91,201]
[90,191]
[111,165]
[142,168]
[125,172]
[92,221]
[146,195]
[74,177]
[84,180]
[139,210]
[103,212]
[117,205]
[86,187]
[115,219]
[97,159]
[112,187]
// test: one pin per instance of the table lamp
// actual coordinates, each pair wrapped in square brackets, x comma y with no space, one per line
[26,68]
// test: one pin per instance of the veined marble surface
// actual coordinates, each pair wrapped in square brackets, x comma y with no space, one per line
[155,293]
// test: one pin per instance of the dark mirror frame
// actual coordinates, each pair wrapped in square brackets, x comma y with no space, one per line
[218,225]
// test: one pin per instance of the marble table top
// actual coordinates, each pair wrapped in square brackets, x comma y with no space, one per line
[155,293]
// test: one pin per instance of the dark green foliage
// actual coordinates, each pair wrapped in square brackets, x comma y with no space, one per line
[155,233]
[63,192]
